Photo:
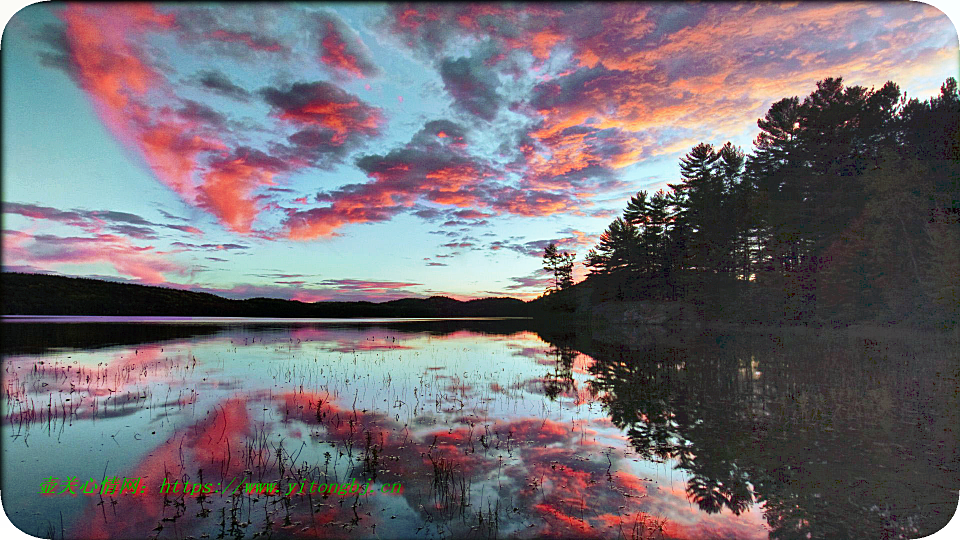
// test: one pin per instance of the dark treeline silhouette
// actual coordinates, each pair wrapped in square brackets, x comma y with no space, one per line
[846,210]
[36,294]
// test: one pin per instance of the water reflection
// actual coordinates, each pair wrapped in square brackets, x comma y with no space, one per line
[491,429]
[837,436]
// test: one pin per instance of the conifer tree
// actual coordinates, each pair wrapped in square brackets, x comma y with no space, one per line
[560,264]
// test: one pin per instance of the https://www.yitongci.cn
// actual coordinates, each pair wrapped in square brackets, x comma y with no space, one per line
[136,486]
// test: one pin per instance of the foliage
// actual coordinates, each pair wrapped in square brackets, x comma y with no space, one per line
[36,294]
[830,217]
[560,264]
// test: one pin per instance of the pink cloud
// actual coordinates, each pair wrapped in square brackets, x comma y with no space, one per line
[50,252]
[327,106]
[342,49]
[639,76]
[187,145]
[347,290]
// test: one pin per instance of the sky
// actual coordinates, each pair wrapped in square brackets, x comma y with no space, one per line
[380,151]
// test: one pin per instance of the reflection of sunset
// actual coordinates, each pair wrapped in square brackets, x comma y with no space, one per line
[118,385]
[626,270]
[215,444]
[569,443]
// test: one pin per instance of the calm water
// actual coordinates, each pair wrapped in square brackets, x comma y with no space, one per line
[491,428]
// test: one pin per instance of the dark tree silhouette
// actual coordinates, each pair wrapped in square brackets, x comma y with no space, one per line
[560,264]
[617,250]
[845,210]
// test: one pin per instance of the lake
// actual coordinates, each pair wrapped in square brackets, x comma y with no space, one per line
[478,428]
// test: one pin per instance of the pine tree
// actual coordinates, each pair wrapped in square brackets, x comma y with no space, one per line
[729,213]
[560,264]
[830,215]
[616,251]
[702,190]
[636,211]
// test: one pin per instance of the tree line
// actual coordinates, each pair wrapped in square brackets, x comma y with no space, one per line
[846,209]
[38,294]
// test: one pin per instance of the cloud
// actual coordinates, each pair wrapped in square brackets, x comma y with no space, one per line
[95,221]
[326,106]
[282,275]
[574,239]
[25,269]
[430,28]
[140,233]
[342,49]
[439,176]
[50,252]
[340,290]
[463,222]
[312,147]
[553,102]
[441,134]
[470,214]
[534,203]
[562,155]
[607,86]
[220,83]
[198,113]
[454,245]
[472,85]
[206,247]
[434,167]
[257,42]
[227,190]
[57,55]
[210,161]
[243,33]
[538,279]
[44,212]
[362,285]
[428,213]
[185,228]
[112,66]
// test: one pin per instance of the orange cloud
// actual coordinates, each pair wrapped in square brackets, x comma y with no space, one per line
[227,189]
[325,105]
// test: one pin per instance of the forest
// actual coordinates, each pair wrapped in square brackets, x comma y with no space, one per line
[846,210]
[39,294]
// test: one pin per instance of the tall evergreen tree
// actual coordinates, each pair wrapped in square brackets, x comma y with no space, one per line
[560,264]
[727,221]
[636,211]
[702,191]
[616,251]
[654,234]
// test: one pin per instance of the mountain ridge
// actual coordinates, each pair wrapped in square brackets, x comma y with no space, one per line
[44,294]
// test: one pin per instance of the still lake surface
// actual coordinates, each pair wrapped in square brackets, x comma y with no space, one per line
[493,428]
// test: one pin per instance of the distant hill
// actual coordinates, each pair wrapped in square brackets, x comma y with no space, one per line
[38,294]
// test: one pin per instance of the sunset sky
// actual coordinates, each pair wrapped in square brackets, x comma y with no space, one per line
[319,152]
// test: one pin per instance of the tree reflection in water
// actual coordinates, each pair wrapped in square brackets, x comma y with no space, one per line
[837,436]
